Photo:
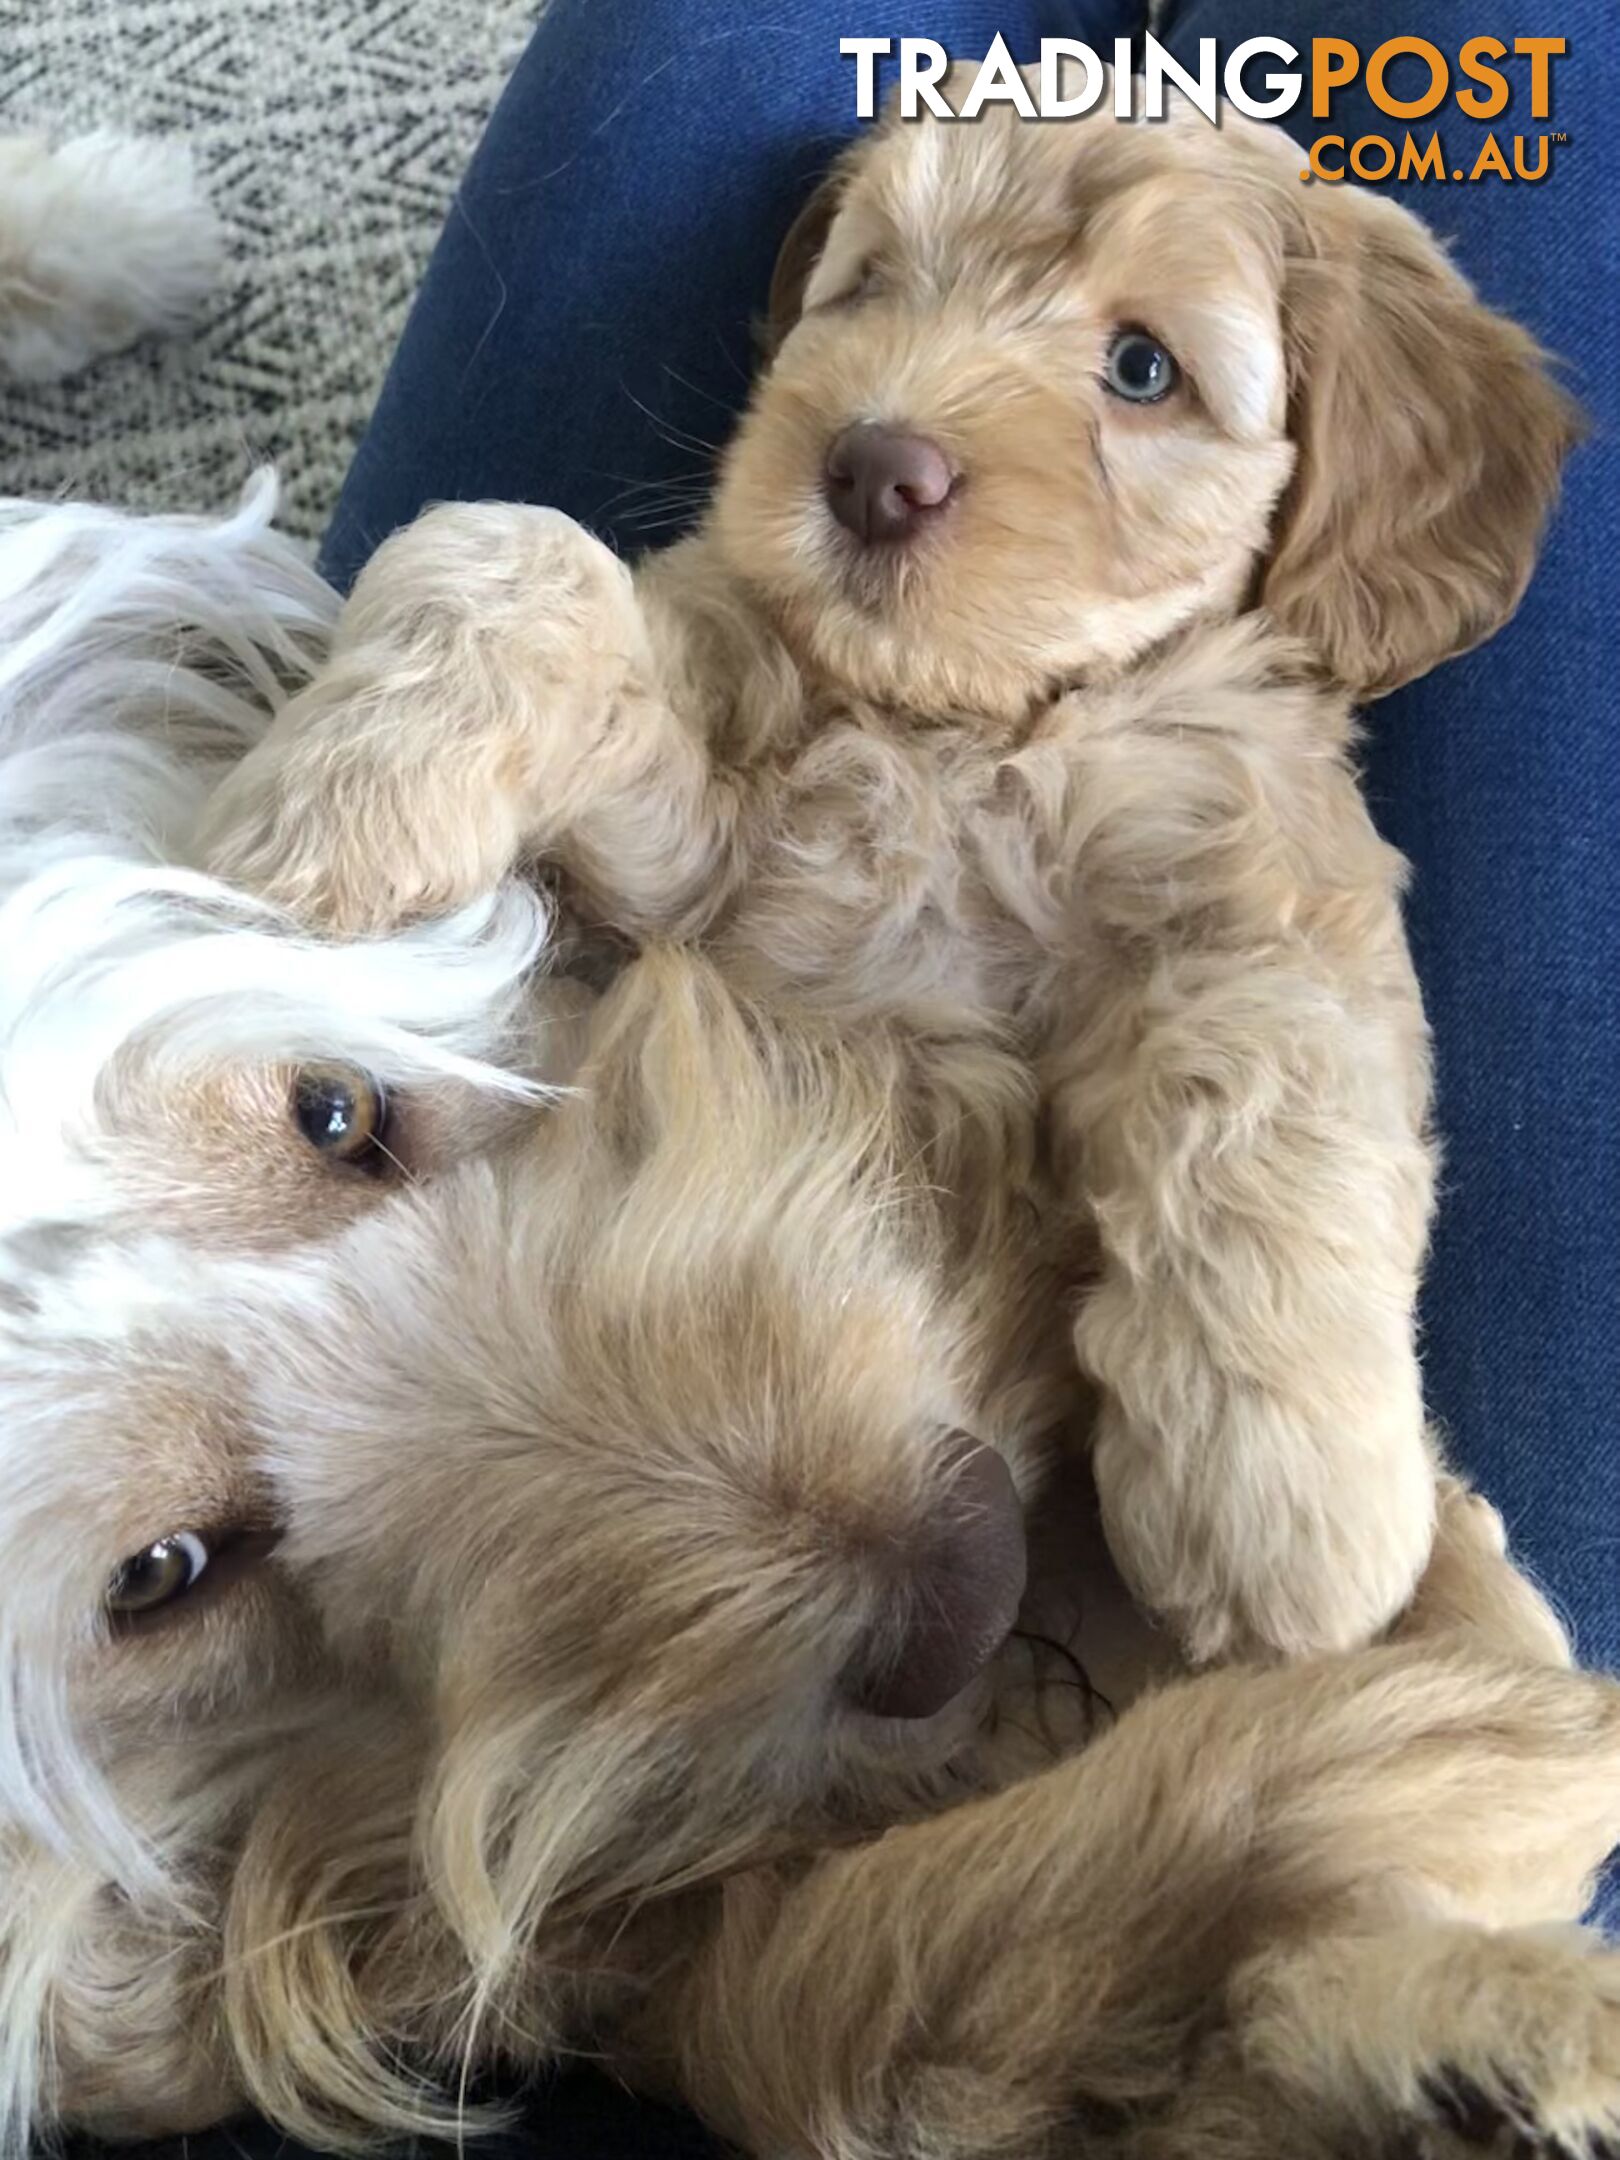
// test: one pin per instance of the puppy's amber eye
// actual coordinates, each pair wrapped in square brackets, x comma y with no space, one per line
[163,1572]
[1138,368]
[340,1113]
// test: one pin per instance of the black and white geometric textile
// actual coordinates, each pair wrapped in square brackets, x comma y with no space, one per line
[330,135]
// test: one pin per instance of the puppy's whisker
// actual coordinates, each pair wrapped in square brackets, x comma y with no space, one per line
[699,483]
[678,438]
[687,501]
[670,521]
[697,390]
[662,498]
[732,362]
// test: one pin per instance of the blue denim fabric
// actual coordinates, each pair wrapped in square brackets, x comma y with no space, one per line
[583,338]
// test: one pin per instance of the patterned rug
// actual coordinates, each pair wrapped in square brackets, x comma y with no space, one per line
[332,134]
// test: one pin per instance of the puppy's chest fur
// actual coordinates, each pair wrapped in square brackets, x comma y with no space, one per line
[966,877]
[902,870]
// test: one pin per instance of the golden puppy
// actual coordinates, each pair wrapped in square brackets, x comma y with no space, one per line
[1004,694]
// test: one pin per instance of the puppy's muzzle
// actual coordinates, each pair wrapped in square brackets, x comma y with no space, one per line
[885,484]
[961,1581]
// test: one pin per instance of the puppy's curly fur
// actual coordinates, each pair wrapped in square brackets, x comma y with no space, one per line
[588,1426]
[1069,774]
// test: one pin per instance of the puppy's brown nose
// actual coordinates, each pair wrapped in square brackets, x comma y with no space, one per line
[883,483]
[964,1582]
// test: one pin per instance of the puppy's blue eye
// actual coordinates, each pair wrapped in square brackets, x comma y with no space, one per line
[1139,368]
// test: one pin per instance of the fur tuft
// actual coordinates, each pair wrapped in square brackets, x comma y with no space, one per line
[103,240]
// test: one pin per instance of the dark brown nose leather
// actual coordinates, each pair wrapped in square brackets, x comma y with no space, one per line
[963,1587]
[883,483]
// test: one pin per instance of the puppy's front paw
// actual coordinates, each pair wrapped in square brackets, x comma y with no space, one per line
[476,665]
[1253,1541]
[351,840]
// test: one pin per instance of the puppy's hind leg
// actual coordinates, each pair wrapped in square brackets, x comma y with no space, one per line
[1496,2038]
[1146,1937]
[1430,2036]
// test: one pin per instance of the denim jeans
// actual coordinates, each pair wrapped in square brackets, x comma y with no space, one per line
[583,338]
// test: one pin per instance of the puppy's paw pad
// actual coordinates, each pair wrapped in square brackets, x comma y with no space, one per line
[1554,2092]
[1464,2107]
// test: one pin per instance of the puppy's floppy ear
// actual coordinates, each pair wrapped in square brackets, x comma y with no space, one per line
[1430,438]
[797,258]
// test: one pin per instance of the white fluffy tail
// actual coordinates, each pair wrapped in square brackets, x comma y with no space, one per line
[102,240]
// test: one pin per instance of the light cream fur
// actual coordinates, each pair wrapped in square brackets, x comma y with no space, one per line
[1044,781]
[104,239]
